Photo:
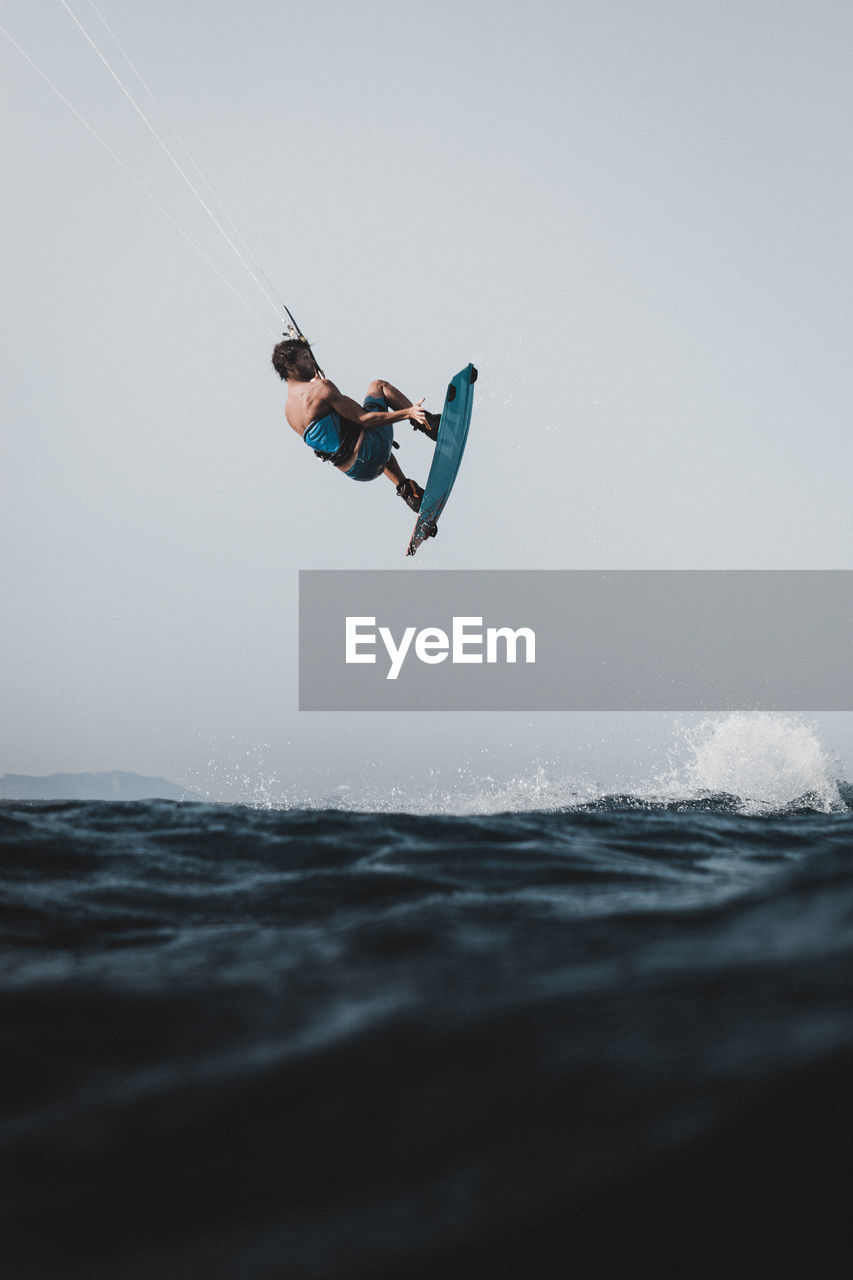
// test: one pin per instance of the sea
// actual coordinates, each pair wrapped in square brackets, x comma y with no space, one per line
[610,1035]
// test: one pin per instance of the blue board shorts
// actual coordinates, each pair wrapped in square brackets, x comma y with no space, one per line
[375,449]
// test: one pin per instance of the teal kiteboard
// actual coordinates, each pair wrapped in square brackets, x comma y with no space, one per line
[449,448]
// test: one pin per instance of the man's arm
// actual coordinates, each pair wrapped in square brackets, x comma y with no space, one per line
[353,412]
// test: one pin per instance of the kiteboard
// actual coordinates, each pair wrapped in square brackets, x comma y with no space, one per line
[449,448]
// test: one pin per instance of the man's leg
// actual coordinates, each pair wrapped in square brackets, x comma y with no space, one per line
[393,471]
[409,490]
[379,389]
[395,475]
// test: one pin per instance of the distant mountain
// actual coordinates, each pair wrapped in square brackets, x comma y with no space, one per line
[90,786]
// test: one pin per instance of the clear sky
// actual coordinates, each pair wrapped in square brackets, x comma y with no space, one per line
[633,216]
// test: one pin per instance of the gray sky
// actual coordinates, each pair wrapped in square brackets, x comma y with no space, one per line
[634,217]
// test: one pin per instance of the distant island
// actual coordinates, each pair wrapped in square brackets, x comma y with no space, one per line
[91,786]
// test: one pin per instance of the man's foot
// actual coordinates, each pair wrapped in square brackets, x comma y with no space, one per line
[431,429]
[411,493]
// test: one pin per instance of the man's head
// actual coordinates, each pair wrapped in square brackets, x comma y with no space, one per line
[292,358]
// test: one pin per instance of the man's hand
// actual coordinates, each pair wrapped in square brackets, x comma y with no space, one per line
[418,415]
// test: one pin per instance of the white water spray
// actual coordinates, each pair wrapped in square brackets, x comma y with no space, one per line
[766,760]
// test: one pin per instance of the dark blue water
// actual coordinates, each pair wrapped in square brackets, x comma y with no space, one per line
[612,1041]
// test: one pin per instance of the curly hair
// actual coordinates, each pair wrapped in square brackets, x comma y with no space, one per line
[285,354]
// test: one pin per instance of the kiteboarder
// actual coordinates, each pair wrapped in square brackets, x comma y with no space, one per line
[356,438]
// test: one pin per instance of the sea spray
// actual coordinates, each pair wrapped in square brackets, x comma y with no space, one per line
[767,760]
[750,761]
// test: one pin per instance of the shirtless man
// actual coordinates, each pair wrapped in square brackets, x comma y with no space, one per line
[355,438]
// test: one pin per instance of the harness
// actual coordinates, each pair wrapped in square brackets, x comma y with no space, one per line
[349,433]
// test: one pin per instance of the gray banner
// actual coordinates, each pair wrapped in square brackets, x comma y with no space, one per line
[575,640]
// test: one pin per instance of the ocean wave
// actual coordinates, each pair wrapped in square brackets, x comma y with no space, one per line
[747,762]
[341,1045]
